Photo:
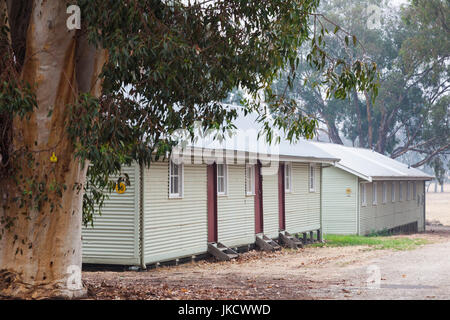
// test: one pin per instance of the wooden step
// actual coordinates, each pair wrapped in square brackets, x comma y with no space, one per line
[289,241]
[221,252]
[265,243]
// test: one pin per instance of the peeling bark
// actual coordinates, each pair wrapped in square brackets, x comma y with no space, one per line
[38,250]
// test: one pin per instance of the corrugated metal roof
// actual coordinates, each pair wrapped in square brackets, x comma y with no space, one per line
[370,165]
[245,138]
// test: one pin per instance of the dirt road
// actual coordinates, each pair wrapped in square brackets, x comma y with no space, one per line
[310,273]
[423,273]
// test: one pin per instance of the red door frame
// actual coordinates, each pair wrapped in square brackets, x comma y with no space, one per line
[281,199]
[211,171]
[259,221]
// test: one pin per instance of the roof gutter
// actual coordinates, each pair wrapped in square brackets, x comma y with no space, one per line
[403,178]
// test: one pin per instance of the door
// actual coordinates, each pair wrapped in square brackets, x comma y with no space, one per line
[281,198]
[212,202]
[258,200]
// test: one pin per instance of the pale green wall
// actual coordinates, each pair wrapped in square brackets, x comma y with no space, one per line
[391,214]
[339,209]
[174,227]
[302,207]
[236,211]
[114,239]
[270,204]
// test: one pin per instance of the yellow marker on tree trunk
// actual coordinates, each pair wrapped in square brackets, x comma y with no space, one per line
[53,158]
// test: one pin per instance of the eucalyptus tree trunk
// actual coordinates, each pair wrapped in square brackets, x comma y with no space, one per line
[40,251]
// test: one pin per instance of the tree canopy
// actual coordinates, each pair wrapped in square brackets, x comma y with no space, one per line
[171,63]
[411,49]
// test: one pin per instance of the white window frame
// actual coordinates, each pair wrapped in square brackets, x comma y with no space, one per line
[225,182]
[312,177]
[393,191]
[400,191]
[250,179]
[374,194]
[384,192]
[180,175]
[363,195]
[287,177]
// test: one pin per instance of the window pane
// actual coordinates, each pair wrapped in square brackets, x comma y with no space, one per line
[221,178]
[287,177]
[374,193]
[175,184]
[363,194]
[174,168]
[220,185]
[414,190]
[248,179]
[393,191]
[311,177]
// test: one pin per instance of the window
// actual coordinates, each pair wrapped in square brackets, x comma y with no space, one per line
[175,180]
[363,195]
[393,191]
[250,180]
[374,194]
[222,183]
[312,177]
[384,192]
[414,190]
[408,190]
[287,177]
[400,191]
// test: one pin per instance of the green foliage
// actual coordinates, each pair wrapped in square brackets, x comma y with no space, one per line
[16,98]
[170,64]
[411,51]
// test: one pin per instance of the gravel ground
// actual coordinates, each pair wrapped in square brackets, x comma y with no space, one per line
[310,273]
[423,273]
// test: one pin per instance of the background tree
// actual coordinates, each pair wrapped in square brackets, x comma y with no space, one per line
[411,49]
[113,92]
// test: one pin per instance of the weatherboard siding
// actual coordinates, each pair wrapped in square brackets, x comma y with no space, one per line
[177,227]
[383,216]
[302,207]
[270,203]
[339,208]
[236,211]
[114,238]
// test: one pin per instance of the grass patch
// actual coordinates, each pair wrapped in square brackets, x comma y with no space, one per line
[374,242]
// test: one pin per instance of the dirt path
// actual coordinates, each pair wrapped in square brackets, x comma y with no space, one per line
[310,273]
[423,273]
